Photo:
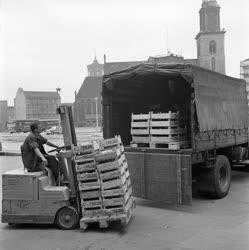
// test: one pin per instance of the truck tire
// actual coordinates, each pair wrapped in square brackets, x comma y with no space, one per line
[67,218]
[221,174]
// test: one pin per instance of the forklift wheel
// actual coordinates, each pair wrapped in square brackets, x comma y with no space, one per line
[67,218]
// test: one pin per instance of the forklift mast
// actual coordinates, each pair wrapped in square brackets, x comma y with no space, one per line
[67,124]
[65,158]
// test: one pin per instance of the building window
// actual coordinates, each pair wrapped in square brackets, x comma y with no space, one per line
[212,47]
[213,63]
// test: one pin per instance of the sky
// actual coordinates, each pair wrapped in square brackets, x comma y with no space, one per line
[45,44]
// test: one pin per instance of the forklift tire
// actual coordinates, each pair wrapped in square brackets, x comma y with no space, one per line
[221,174]
[67,218]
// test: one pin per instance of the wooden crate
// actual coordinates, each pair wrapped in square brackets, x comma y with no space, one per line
[108,155]
[165,116]
[109,143]
[87,176]
[140,127]
[86,167]
[90,185]
[83,149]
[92,194]
[167,138]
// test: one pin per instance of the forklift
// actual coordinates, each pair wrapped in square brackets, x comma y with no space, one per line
[33,197]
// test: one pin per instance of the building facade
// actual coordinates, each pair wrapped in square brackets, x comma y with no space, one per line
[3,114]
[36,104]
[211,39]
[87,105]
[11,113]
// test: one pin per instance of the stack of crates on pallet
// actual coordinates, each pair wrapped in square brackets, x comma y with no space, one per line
[161,129]
[166,128]
[88,180]
[113,194]
[140,128]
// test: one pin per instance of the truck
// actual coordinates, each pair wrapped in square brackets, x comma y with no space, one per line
[216,111]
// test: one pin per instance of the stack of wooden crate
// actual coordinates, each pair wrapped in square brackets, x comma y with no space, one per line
[165,130]
[88,181]
[140,128]
[106,194]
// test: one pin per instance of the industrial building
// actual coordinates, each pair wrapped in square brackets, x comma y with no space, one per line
[36,104]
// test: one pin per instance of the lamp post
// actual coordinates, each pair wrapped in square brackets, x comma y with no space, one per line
[96,108]
[58,90]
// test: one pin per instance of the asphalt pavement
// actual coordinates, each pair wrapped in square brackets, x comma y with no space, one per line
[206,225]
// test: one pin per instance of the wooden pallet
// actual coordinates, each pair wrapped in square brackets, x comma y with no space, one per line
[169,145]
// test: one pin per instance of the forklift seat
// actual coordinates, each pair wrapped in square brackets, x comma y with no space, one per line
[46,191]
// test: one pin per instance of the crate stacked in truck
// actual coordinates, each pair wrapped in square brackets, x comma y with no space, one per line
[140,128]
[110,198]
[165,129]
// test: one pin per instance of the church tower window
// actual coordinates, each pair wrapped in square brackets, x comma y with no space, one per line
[212,47]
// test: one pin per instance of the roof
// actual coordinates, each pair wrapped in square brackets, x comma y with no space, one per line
[90,88]
[111,67]
[41,94]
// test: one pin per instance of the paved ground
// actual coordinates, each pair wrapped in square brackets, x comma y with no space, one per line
[12,142]
[206,225]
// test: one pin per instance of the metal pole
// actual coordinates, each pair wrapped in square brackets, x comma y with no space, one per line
[96,107]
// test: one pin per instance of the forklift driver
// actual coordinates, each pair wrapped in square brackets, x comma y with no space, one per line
[34,155]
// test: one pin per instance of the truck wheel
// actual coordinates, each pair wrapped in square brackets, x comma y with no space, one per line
[67,218]
[222,176]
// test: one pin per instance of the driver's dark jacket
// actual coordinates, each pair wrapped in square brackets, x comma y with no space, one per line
[30,160]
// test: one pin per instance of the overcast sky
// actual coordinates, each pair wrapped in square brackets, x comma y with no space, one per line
[46,44]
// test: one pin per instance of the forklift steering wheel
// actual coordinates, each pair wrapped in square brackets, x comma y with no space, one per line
[57,149]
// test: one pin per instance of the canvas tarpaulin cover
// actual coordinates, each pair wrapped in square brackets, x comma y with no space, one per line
[221,101]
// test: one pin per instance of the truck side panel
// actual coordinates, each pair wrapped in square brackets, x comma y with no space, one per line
[164,177]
